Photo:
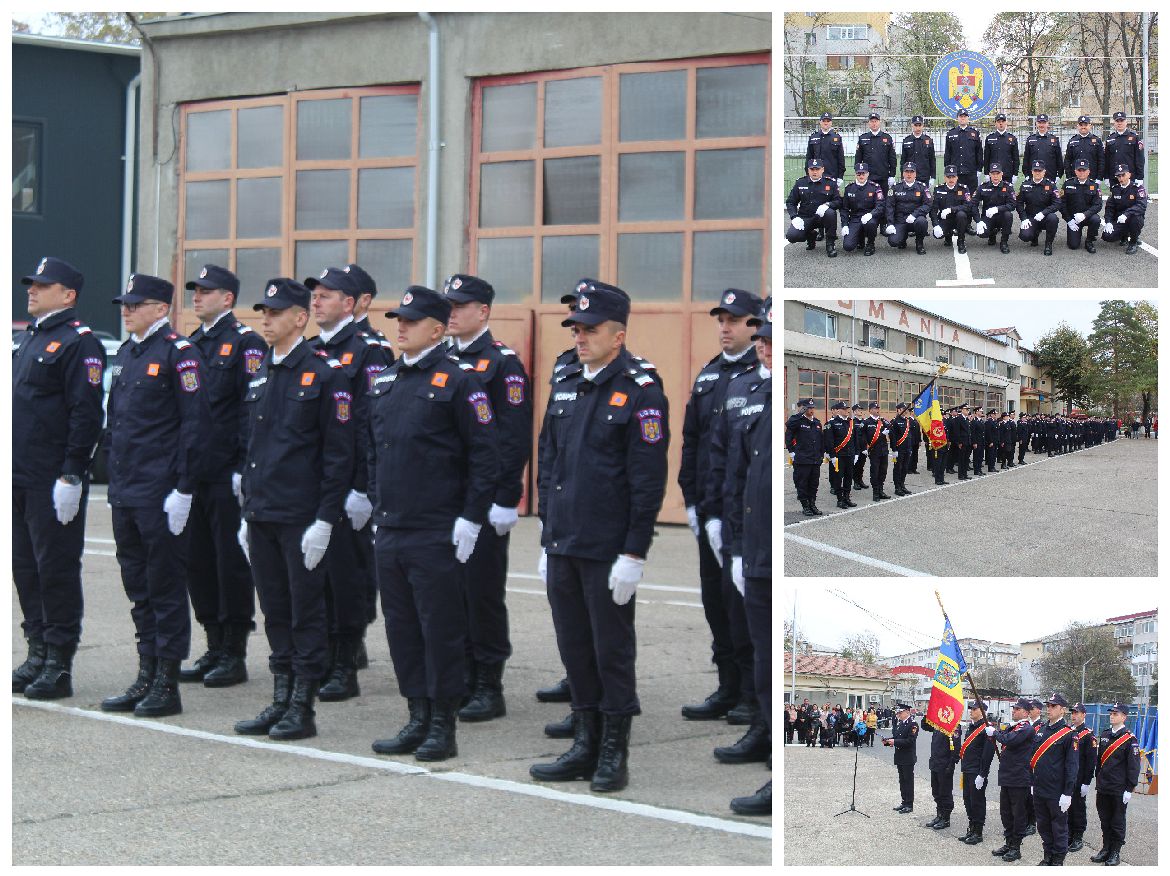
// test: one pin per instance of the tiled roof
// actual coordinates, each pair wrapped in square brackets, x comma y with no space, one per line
[838,667]
[1112,620]
[1001,331]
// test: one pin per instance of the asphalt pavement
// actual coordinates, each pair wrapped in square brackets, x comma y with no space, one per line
[1089,513]
[942,267]
[96,789]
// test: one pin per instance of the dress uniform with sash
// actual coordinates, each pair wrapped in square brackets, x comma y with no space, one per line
[961,437]
[1118,771]
[945,752]
[1016,744]
[1078,818]
[1055,768]
[805,445]
[978,426]
[976,753]
[901,440]
[857,412]
[57,367]
[840,449]
[219,579]
[904,740]
[157,425]
[875,438]
[991,439]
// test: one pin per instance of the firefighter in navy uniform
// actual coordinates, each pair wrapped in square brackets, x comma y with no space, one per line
[1016,744]
[298,427]
[960,434]
[945,752]
[825,144]
[964,149]
[600,490]
[1081,207]
[804,444]
[57,366]
[951,209]
[995,200]
[875,439]
[904,741]
[1125,211]
[1035,708]
[1038,205]
[975,756]
[1002,147]
[918,147]
[978,426]
[1043,146]
[841,453]
[1087,145]
[901,438]
[857,412]
[908,211]
[157,420]
[1123,146]
[863,208]
[1055,768]
[219,580]
[502,373]
[1078,817]
[812,205]
[875,147]
[1118,771]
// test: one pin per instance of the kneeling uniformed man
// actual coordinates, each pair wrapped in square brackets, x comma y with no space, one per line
[1081,207]
[951,208]
[907,209]
[995,199]
[812,205]
[1039,208]
[1125,211]
[863,203]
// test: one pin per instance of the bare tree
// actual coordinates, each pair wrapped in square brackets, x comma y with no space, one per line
[862,647]
[1021,45]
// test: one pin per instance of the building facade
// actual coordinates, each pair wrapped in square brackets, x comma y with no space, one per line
[837,681]
[1137,638]
[980,655]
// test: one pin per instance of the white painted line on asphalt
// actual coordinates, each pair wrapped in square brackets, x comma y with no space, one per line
[1149,249]
[963,272]
[858,558]
[627,807]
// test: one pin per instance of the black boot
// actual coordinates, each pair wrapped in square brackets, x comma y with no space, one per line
[1002,850]
[28,671]
[753,747]
[1013,853]
[560,729]
[943,822]
[1130,249]
[208,660]
[163,698]
[1030,828]
[1004,248]
[1114,856]
[266,720]
[745,711]
[232,668]
[841,503]
[557,693]
[962,245]
[440,741]
[56,679]
[580,761]
[613,759]
[860,485]
[1102,855]
[1048,248]
[974,835]
[718,704]
[297,721]
[868,251]
[342,682]
[413,732]
[804,507]
[831,248]
[849,503]
[759,803]
[920,247]
[817,512]
[1057,860]
[1090,246]
[932,822]
[1075,843]
[1046,861]
[487,701]
[125,702]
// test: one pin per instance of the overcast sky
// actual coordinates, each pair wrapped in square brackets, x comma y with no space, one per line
[1033,319]
[979,611]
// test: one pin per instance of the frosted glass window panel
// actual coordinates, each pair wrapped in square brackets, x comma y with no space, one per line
[726,260]
[506,263]
[729,183]
[260,137]
[654,106]
[258,207]
[388,126]
[207,210]
[209,140]
[651,186]
[322,200]
[255,267]
[324,129]
[732,101]
[506,191]
[564,261]
[390,263]
[509,117]
[314,256]
[650,266]
[386,197]
[572,112]
[572,190]
[193,262]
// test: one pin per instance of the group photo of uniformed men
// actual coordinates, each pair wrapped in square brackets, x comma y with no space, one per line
[264,481]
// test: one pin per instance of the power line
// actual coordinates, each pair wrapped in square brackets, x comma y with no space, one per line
[903,632]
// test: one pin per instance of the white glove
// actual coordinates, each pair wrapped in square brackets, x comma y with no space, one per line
[937,232]
[1121,219]
[1084,790]
[693,519]
[865,219]
[714,528]
[1108,227]
[238,486]
[861,455]
[1072,226]
[945,212]
[178,508]
[359,509]
[542,567]
[989,730]
[315,542]
[1064,802]
[737,574]
[242,538]
[991,211]
[464,536]
[980,227]
[979,783]
[624,578]
[855,459]
[1140,182]
[1080,217]
[1125,795]
[890,181]
[840,182]
[791,458]
[822,209]
[1026,224]
[895,456]
[66,501]
[798,223]
[502,519]
[890,229]
[1039,217]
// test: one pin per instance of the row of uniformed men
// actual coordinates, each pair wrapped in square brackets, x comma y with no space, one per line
[1045,773]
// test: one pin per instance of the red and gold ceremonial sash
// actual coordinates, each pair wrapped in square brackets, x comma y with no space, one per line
[1048,743]
[972,735]
[905,433]
[877,432]
[1117,743]
[845,440]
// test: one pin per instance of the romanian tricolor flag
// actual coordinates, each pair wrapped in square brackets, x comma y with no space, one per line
[929,416]
[945,709]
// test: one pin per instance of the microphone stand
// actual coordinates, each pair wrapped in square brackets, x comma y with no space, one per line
[853,802]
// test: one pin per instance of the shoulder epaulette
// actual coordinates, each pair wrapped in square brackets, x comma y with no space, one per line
[242,329]
[466,366]
[81,328]
[504,349]
[370,339]
[179,342]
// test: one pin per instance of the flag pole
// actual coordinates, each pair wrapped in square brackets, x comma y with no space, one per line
[970,681]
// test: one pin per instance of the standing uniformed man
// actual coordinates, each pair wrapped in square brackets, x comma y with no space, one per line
[57,367]
[1081,207]
[856,412]
[703,501]
[975,756]
[1055,768]
[1044,146]
[907,211]
[502,373]
[1123,146]
[804,443]
[219,580]
[875,439]
[995,199]
[901,430]
[915,442]
[1023,436]
[157,419]
[1084,144]
[433,457]
[962,440]
[875,147]
[942,455]
[1078,818]
[812,205]
[1125,210]
[945,752]
[1039,207]
[1002,147]
[918,148]
[299,417]
[863,208]
[951,209]
[904,742]
[600,487]
[991,439]
[964,150]
[1118,770]
[825,144]
[1015,777]
[1035,707]
[841,453]
[978,426]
